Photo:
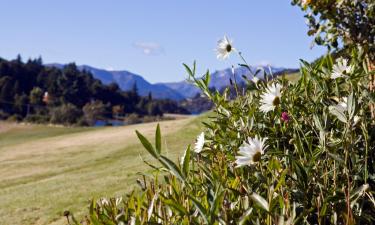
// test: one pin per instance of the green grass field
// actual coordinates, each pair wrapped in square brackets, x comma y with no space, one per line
[46,170]
[293,77]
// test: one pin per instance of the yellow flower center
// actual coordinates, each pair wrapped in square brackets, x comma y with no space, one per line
[256,156]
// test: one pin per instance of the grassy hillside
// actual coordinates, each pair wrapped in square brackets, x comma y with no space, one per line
[46,170]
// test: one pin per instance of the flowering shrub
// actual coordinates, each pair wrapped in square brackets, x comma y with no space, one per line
[282,153]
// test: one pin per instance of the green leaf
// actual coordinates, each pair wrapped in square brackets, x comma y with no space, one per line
[176,206]
[200,208]
[351,105]
[243,218]
[317,122]
[186,162]
[207,78]
[171,166]
[93,216]
[158,139]
[194,67]
[260,201]
[335,110]
[218,199]
[336,157]
[281,180]
[188,70]
[300,171]
[147,145]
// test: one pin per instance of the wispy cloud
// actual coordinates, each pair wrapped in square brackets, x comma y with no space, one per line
[264,63]
[149,48]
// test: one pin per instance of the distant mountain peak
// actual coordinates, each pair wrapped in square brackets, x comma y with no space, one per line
[172,90]
[126,80]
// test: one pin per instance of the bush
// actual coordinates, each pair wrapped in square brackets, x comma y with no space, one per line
[37,118]
[67,114]
[283,153]
[94,111]
[3,115]
[14,118]
[132,118]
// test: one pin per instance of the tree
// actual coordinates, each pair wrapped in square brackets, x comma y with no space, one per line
[113,87]
[67,114]
[93,111]
[20,104]
[153,109]
[349,22]
[6,93]
[19,59]
[345,21]
[36,96]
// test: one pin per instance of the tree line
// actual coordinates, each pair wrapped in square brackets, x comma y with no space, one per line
[34,92]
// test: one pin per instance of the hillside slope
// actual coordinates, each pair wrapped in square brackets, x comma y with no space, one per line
[63,168]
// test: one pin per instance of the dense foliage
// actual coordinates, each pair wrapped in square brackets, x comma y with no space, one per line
[349,23]
[283,153]
[43,94]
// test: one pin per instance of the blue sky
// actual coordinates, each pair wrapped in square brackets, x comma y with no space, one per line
[154,37]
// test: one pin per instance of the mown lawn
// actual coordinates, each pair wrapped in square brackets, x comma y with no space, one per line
[46,170]
[293,77]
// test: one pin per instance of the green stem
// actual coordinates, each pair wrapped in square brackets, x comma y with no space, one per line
[245,62]
[235,82]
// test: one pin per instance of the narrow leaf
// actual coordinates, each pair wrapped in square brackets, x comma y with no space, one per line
[171,166]
[188,70]
[176,206]
[186,161]
[158,139]
[245,216]
[334,110]
[93,216]
[351,105]
[147,145]
[260,201]
[200,208]
[151,207]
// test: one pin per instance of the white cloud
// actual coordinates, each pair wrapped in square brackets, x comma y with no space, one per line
[149,48]
[264,63]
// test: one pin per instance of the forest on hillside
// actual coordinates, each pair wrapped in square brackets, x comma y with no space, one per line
[33,92]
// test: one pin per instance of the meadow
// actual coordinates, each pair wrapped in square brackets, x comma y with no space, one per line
[45,170]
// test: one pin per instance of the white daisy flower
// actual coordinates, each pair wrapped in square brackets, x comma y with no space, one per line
[271,98]
[224,48]
[199,143]
[251,151]
[341,69]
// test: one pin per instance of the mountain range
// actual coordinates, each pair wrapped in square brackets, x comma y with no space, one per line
[174,90]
